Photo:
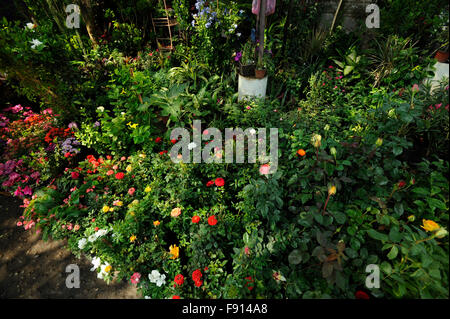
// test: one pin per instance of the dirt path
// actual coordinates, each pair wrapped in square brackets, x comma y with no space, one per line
[32,268]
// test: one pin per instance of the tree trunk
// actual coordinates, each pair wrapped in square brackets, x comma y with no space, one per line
[88,17]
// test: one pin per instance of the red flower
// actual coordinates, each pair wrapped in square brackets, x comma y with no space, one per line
[195,219]
[401,184]
[120,175]
[196,275]
[173,141]
[249,280]
[210,183]
[175,297]
[219,182]
[212,220]
[67,154]
[198,283]
[361,295]
[179,279]
[75,175]
[158,139]
[162,152]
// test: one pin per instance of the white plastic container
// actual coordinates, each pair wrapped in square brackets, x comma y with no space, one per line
[252,87]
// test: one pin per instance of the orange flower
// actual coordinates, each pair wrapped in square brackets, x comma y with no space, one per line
[156,223]
[301,152]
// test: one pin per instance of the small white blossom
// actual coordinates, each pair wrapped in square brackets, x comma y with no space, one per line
[82,243]
[157,278]
[96,262]
[30,25]
[36,43]
[100,109]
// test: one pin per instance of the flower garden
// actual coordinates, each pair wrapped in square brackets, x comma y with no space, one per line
[362,178]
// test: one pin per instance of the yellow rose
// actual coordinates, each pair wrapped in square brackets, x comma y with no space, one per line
[174,251]
[332,190]
[430,225]
[148,189]
[316,140]
[106,209]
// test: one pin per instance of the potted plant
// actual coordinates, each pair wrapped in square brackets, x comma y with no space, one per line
[245,60]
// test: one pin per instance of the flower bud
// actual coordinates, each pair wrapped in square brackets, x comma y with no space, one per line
[441,233]
[379,142]
[411,218]
[333,151]
[332,190]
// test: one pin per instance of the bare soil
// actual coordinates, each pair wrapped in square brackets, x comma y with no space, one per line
[33,268]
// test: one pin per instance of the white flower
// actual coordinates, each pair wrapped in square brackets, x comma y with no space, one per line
[101,232]
[102,272]
[252,131]
[30,25]
[36,43]
[96,262]
[147,297]
[100,109]
[192,145]
[157,278]
[238,34]
[82,243]
[92,238]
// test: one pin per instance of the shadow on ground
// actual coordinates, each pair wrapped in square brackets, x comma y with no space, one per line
[33,268]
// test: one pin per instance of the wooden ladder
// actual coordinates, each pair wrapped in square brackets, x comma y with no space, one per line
[165,22]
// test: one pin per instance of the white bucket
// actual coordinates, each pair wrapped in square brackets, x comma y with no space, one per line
[252,87]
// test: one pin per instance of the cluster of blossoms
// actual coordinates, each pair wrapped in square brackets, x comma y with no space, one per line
[204,12]
[68,146]
[105,268]
[196,277]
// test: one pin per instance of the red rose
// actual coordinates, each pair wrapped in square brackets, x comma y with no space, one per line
[401,184]
[75,175]
[173,141]
[219,182]
[175,297]
[361,295]
[120,175]
[158,139]
[195,219]
[212,220]
[210,183]
[179,279]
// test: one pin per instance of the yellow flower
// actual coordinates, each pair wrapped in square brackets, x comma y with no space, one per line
[129,169]
[430,225]
[142,155]
[106,209]
[156,223]
[174,251]
[132,238]
[332,190]
[316,140]
[118,203]
[108,268]
[148,189]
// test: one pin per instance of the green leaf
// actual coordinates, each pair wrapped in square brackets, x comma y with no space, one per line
[395,235]
[295,257]
[377,235]
[397,150]
[393,253]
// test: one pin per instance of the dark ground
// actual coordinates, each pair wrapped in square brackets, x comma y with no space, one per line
[32,268]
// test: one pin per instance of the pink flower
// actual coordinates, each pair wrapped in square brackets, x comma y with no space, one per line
[264,169]
[415,88]
[19,224]
[438,106]
[131,191]
[76,227]
[135,278]
[27,191]
[69,227]
[247,251]
[18,192]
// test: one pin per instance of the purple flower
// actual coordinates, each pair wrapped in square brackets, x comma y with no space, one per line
[97,124]
[238,56]
[73,125]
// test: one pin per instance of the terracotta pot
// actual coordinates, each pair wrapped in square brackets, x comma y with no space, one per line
[259,74]
[441,56]
[247,70]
